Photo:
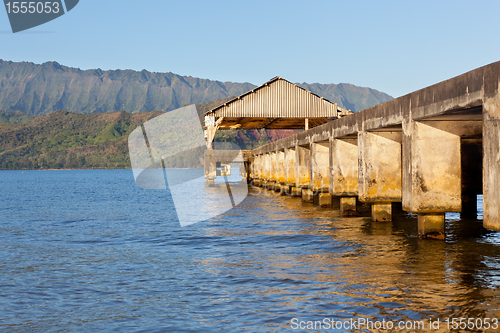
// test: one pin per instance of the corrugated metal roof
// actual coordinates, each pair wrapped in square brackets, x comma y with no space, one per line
[277,98]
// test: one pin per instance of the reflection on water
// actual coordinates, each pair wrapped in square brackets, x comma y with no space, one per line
[85,251]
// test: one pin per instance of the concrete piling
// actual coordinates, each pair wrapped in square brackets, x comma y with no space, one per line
[348,206]
[431,225]
[382,212]
[379,176]
[307,195]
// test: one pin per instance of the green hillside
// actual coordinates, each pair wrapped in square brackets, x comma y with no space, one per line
[65,140]
[69,140]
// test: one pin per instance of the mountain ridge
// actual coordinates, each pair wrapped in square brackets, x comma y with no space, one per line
[43,88]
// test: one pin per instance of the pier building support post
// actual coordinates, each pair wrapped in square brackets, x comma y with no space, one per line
[344,173]
[379,172]
[432,174]
[491,155]
[210,169]
[290,167]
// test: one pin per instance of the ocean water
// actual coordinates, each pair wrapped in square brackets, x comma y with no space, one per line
[88,250]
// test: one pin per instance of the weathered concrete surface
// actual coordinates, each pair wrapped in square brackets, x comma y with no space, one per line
[267,167]
[296,191]
[491,161]
[432,181]
[254,168]
[290,166]
[344,167]
[379,166]
[431,226]
[286,190]
[257,167]
[280,166]
[307,195]
[382,212]
[348,206]
[320,178]
[302,156]
[323,200]
[242,171]
[273,163]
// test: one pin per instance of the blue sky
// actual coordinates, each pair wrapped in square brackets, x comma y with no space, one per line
[392,46]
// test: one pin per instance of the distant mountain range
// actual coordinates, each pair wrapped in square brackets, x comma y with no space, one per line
[41,89]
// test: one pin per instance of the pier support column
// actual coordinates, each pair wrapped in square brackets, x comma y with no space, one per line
[323,200]
[260,170]
[257,166]
[290,175]
[382,211]
[295,191]
[280,167]
[273,169]
[210,169]
[320,178]
[344,173]
[280,172]
[348,206]
[266,165]
[380,172]
[251,168]
[307,195]
[432,173]
[302,157]
[491,156]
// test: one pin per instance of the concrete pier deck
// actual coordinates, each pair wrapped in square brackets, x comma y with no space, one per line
[433,150]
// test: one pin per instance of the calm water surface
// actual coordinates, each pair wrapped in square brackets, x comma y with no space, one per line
[89,251]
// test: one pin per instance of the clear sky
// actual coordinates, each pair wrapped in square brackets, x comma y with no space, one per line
[392,46]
